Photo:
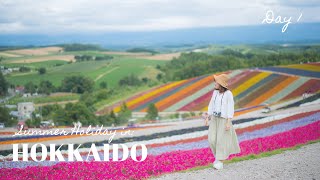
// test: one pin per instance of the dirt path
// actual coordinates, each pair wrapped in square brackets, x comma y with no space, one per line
[107,72]
[303,163]
[59,102]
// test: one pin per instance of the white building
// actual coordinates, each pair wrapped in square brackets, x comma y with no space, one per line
[25,109]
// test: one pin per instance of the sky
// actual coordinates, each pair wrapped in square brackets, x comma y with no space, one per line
[90,16]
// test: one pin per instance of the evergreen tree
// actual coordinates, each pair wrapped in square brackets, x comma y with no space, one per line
[5,116]
[124,114]
[152,111]
[3,85]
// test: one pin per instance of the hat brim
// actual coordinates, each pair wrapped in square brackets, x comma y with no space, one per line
[217,81]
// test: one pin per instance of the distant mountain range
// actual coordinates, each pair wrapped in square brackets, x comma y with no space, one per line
[303,33]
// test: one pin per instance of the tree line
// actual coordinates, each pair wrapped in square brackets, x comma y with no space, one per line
[81,58]
[194,64]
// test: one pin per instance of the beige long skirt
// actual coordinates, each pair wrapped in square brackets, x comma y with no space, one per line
[222,142]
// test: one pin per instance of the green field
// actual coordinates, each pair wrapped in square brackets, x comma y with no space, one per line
[110,71]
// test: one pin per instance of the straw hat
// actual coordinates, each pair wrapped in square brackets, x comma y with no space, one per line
[221,79]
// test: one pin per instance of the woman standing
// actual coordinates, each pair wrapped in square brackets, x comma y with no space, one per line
[222,137]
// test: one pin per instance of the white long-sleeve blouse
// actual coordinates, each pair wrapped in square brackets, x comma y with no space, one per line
[222,102]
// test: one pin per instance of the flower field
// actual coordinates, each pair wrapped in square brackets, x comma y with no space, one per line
[250,87]
[185,148]
[177,150]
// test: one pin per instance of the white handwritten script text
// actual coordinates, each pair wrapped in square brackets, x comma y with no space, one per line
[270,18]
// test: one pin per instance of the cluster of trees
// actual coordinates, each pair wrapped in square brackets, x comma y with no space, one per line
[44,87]
[6,118]
[42,70]
[136,50]
[74,112]
[24,69]
[90,98]
[133,80]
[85,114]
[80,58]
[81,47]
[74,84]
[77,84]
[195,64]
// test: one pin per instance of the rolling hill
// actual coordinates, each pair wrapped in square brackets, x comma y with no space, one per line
[252,88]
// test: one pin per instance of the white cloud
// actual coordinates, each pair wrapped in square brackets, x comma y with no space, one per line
[53,16]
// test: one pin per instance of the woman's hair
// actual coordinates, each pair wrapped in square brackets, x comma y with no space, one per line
[222,89]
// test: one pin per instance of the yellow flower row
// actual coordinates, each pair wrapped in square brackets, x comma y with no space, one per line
[307,67]
[250,82]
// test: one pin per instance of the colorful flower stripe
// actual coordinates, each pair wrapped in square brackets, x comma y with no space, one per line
[273,90]
[242,78]
[250,82]
[314,63]
[170,92]
[263,120]
[159,91]
[189,99]
[185,92]
[283,126]
[6,133]
[247,110]
[260,91]
[295,85]
[107,109]
[298,72]
[233,74]
[255,87]
[236,75]
[198,104]
[143,106]
[307,115]
[307,86]
[164,163]
[307,67]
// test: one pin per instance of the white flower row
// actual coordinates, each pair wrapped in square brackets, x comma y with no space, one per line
[263,120]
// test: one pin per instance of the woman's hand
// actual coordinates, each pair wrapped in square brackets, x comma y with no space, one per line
[228,125]
[206,121]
